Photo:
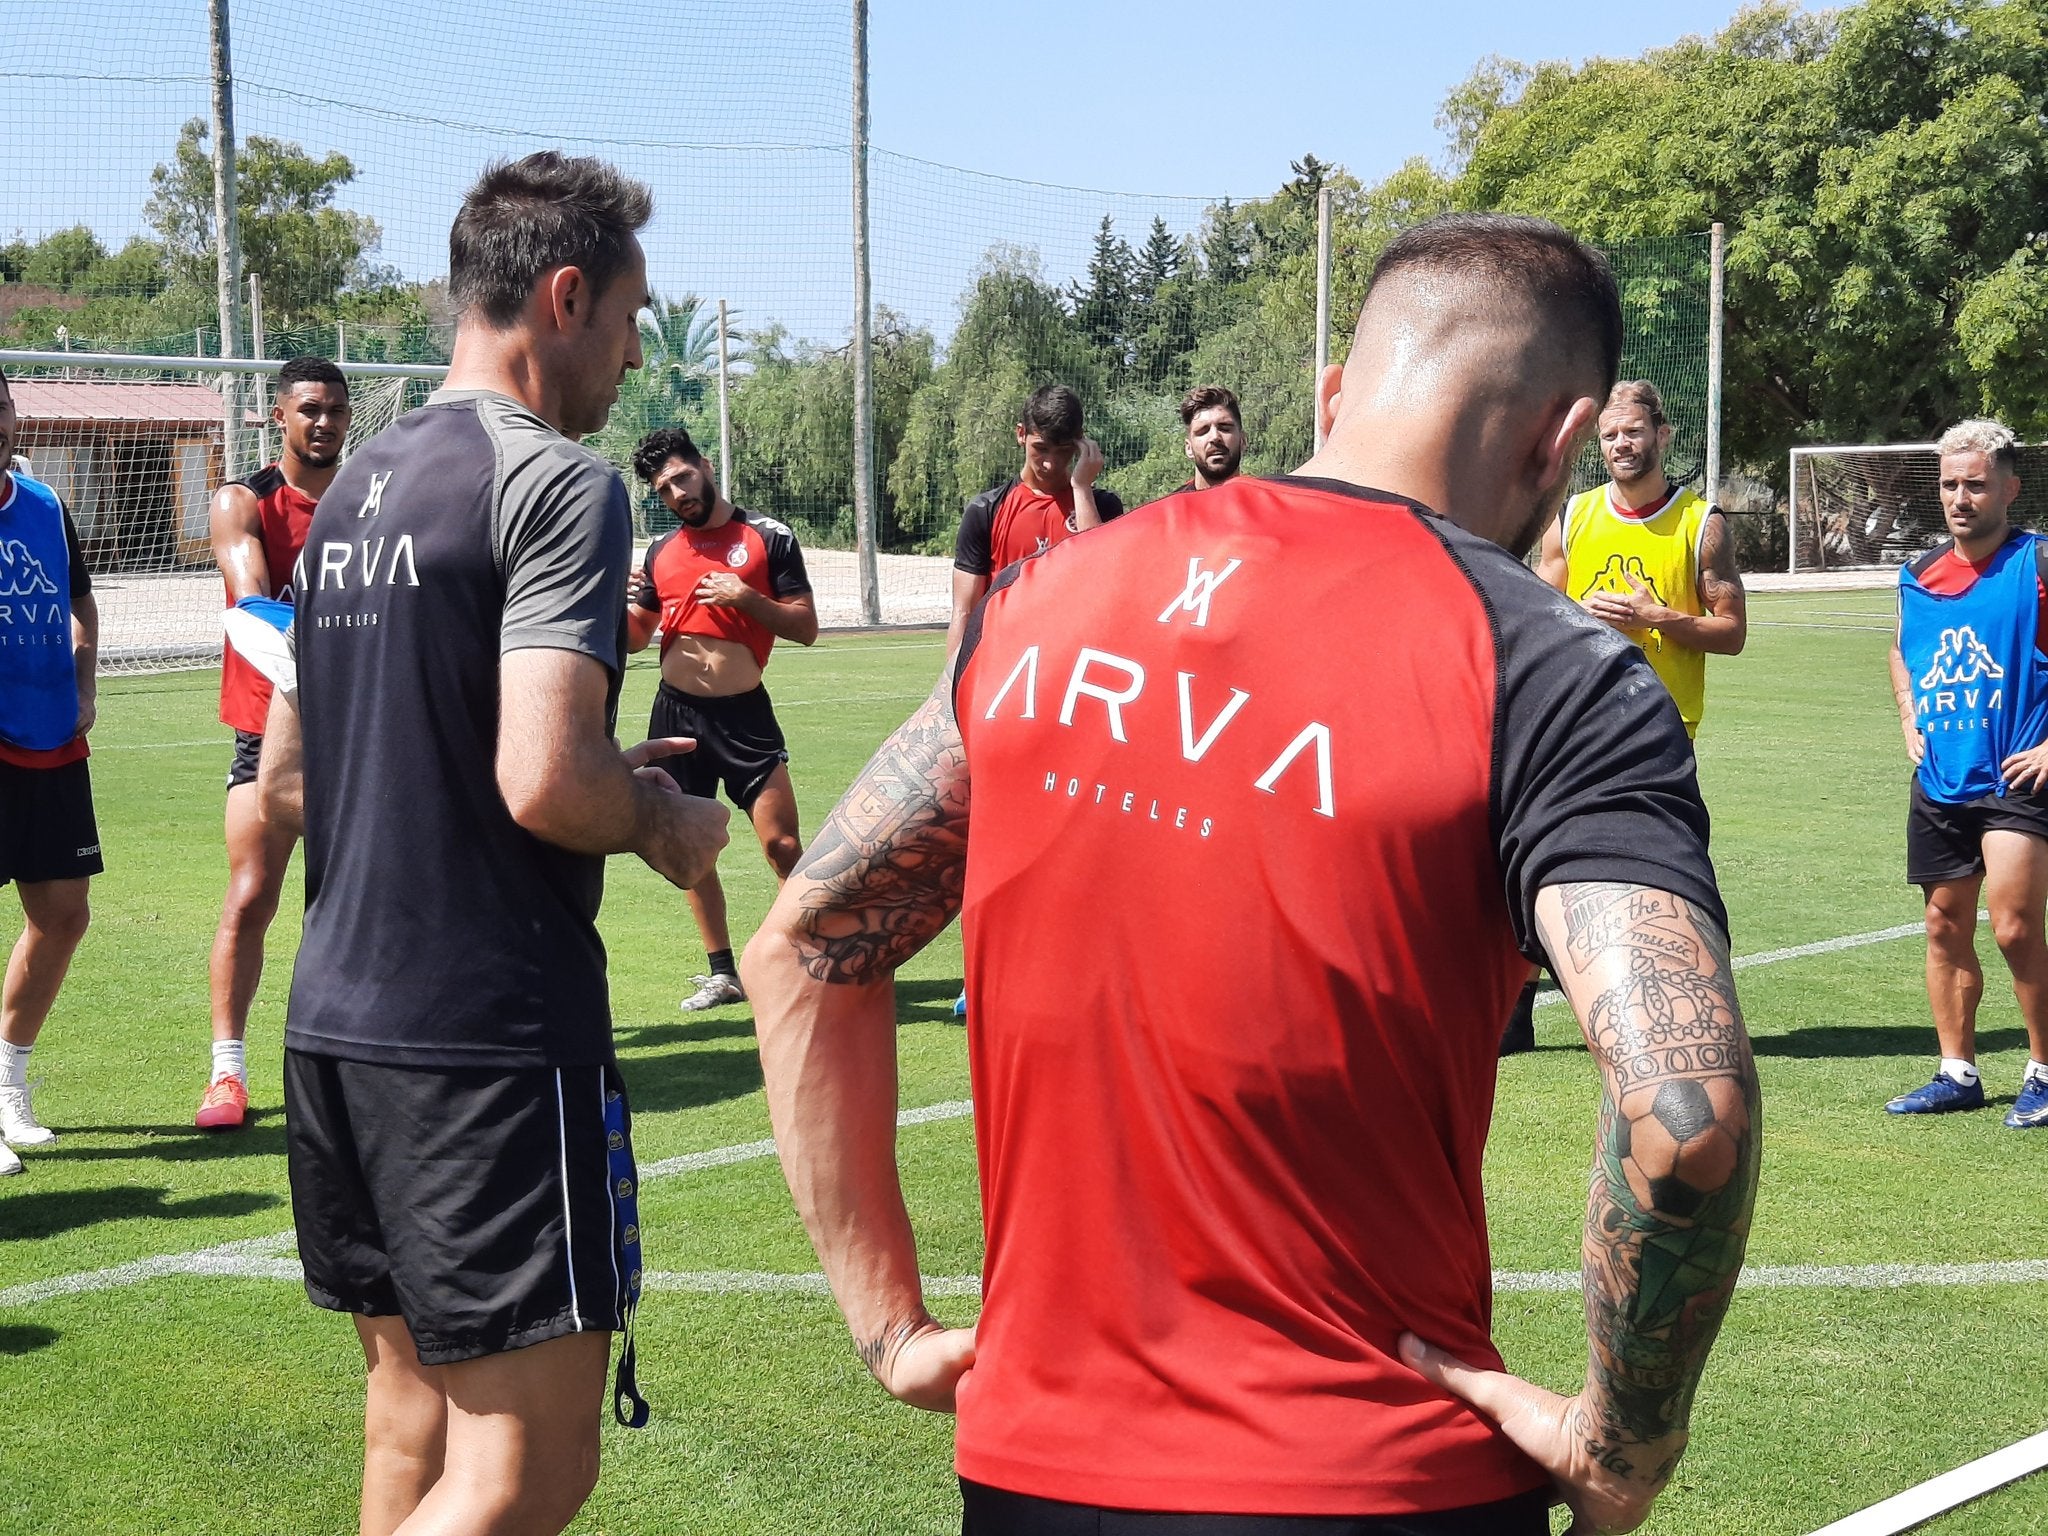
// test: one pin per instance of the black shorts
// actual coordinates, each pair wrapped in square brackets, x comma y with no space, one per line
[989,1511]
[47,828]
[248,757]
[474,1202]
[739,742]
[1946,842]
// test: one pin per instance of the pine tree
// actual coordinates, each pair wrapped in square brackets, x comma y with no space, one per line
[1104,309]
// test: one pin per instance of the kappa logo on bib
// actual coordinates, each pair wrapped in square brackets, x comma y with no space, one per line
[736,556]
[22,574]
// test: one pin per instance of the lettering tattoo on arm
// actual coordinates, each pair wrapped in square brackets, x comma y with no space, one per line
[1675,1163]
[886,871]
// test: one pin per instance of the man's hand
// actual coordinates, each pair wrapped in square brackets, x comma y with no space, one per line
[921,1363]
[636,587]
[2023,770]
[1637,608]
[1608,1487]
[1916,744]
[1087,463]
[88,710]
[681,835]
[722,589]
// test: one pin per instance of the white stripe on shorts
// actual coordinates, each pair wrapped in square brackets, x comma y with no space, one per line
[568,1223]
[611,1204]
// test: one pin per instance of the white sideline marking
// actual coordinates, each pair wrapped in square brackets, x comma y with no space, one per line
[1938,1495]
[1800,951]
[226,1258]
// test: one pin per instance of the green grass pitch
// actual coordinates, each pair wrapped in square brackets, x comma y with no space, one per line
[201,1403]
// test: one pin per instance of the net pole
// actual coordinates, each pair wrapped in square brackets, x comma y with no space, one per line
[1792,516]
[340,342]
[1717,248]
[863,339]
[724,408]
[227,234]
[1322,297]
[256,350]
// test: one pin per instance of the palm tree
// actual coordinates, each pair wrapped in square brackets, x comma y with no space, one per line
[679,342]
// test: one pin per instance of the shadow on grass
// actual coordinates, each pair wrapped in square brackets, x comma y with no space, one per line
[686,1032]
[181,1143]
[926,1002]
[690,1079]
[47,1213]
[1834,1040]
[26,1338]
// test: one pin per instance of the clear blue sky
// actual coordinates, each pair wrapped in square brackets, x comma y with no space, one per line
[736,112]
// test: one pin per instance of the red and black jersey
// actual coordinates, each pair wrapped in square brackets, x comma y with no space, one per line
[760,551]
[1212,1204]
[1000,527]
[286,513]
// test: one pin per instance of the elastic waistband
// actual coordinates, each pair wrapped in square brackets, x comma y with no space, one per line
[711,702]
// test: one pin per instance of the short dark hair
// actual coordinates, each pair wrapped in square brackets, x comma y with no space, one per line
[529,216]
[1565,278]
[310,370]
[1053,413]
[1208,397]
[661,445]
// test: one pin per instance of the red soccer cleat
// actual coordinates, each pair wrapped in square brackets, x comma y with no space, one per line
[226,1105]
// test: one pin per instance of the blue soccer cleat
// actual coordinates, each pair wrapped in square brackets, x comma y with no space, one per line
[2031,1108]
[960,1008]
[1940,1097]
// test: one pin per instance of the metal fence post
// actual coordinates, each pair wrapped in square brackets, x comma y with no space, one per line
[863,339]
[1322,298]
[725,475]
[1717,248]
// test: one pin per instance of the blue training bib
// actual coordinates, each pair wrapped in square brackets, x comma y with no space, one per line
[38,682]
[1980,687]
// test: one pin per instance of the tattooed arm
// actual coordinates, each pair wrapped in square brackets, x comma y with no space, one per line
[880,880]
[1674,1181]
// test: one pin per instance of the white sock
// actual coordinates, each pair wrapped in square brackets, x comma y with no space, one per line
[230,1059]
[2037,1071]
[14,1065]
[1964,1072]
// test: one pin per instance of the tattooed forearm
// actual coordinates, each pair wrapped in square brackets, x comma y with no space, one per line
[877,1350]
[885,873]
[1674,1170]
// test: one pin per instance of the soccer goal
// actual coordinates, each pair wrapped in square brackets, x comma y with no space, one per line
[1874,507]
[137,446]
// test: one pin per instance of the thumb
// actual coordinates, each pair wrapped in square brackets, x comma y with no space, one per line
[1497,1394]
[659,746]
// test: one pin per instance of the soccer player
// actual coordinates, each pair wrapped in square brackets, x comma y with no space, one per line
[1650,556]
[1237,1257]
[1053,498]
[1971,679]
[1215,440]
[720,590]
[259,525]
[459,1147]
[49,840]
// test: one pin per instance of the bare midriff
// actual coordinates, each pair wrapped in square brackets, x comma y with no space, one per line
[706,667]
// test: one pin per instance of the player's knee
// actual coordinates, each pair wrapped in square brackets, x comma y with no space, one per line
[63,923]
[783,851]
[251,903]
[1950,923]
[2016,932]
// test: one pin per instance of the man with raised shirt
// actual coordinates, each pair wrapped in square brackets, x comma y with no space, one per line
[259,526]
[456,1127]
[720,589]
[1971,678]
[1053,497]
[49,840]
[1236,1268]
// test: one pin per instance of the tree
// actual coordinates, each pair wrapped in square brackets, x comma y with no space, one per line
[304,249]
[1103,308]
[1881,171]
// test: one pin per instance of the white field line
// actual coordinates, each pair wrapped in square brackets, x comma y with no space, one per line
[1938,1495]
[242,1256]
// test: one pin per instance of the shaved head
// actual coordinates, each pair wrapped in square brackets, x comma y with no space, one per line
[1483,351]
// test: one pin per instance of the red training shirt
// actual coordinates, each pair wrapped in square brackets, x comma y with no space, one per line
[1243,920]
[760,551]
[1000,527]
[285,513]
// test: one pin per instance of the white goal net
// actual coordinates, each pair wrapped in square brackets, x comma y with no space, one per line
[1875,507]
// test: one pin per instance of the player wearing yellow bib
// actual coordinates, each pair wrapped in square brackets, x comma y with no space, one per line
[1649,557]
[1653,559]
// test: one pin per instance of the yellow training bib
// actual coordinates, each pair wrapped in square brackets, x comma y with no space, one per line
[1605,546]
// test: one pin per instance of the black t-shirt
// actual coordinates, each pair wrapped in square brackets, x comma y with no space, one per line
[438,931]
